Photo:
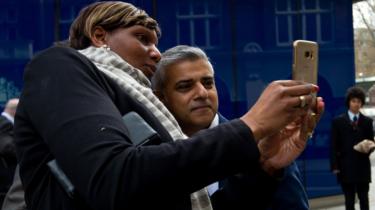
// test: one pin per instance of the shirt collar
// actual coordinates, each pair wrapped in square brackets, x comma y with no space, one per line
[8,116]
[215,121]
[351,115]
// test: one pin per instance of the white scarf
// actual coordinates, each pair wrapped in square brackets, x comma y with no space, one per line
[136,84]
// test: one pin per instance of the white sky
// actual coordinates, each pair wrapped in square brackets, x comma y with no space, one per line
[357,20]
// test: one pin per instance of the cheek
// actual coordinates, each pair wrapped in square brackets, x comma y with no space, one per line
[214,100]
[181,105]
[124,48]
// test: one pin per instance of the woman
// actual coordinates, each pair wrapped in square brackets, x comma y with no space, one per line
[71,110]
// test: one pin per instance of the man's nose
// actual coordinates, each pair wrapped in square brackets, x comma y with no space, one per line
[201,91]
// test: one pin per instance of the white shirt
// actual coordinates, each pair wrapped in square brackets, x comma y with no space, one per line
[351,115]
[8,116]
[214,186]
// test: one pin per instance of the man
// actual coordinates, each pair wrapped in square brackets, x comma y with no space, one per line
[184,82]
[8,160]
[352,167]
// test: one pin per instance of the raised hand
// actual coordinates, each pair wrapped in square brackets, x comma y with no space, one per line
[280,149]
[279,105]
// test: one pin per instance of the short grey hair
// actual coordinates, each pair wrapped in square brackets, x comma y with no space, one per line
[175,55]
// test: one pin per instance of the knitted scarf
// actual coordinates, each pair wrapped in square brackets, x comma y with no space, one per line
[136,84]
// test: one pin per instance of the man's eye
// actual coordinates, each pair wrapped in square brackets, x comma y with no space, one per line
[183,87]
[208,84]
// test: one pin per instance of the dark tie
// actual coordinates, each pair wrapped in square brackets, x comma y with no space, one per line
[355,122]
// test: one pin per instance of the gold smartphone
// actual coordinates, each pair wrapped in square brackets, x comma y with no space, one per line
[305,61]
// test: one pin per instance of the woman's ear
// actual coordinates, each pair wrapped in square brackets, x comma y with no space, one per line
[98,37]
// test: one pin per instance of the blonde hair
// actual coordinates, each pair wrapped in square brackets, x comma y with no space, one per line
[109,15]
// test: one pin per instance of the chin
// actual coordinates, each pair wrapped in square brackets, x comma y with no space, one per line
[204,122]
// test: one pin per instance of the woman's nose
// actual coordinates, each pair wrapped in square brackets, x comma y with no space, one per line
[155,54]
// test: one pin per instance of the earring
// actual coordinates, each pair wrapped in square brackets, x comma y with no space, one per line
[106,47]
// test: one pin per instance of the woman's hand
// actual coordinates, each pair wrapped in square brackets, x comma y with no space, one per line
[279,104]
[282,148]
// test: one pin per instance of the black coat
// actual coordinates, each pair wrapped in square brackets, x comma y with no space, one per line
[8,160]
[7,145]
[354,166]
[71,112]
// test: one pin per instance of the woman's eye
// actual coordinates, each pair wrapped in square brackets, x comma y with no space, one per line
[142,38]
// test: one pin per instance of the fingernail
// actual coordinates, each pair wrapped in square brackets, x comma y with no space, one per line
[317,88]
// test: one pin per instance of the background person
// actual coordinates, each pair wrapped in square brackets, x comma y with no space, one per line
[105,77]
[8,159]
[353,168]
[15,199]
[184,82]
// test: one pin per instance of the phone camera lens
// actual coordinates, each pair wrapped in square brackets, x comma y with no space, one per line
[307,54]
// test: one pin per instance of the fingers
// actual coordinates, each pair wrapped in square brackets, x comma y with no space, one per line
[312,118]
[280,103]
[320,105]
[319,109]
[301,94]
[302,89]
[288,83]
[302,101]
[295,86]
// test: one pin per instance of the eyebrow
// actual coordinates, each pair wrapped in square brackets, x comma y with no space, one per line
[190,80]
[208,77]
[184,81]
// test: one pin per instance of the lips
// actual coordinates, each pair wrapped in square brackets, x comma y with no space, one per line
[151,67]
[148,70]
[199,107]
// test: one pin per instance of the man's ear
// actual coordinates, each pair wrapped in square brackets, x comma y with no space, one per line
[98,37]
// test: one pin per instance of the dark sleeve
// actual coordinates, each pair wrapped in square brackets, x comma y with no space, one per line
[246,191]
[69,105]
[290,193]
[260,191]
[14,199]
[7,145]
[334,145]
[370,133]
[369,130]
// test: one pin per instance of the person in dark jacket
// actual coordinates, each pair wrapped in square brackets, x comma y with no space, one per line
[71,112]
[352,167]
[8,159]
[14,199]
[184,82]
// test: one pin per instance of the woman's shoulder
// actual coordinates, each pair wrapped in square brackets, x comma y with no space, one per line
[53,51]
[54,56]
[58,57]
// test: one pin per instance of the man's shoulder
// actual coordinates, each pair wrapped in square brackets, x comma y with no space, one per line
[366,117]
[4,122]
[222,119]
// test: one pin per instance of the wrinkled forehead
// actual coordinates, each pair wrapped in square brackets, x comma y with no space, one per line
[189,70]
